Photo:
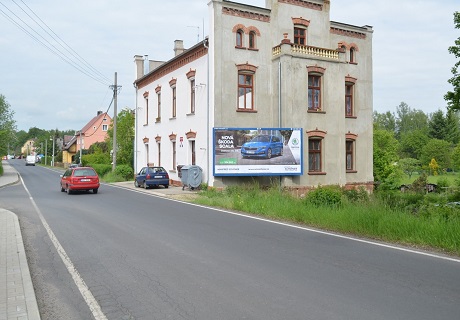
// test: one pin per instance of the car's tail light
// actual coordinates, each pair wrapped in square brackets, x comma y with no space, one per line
[148,176]
[167,176]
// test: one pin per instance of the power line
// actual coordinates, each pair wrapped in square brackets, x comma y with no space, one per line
[66,47]
[75,62]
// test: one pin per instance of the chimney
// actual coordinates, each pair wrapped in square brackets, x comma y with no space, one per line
[146,64]
[99,113]
[139,61]
[178,47]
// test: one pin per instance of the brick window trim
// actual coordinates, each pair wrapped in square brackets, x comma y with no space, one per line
[246,30]
[301,22]
[316,133]
[146,94]
[172,82]
[246,110]
[350,79]
[316,111]
[312,173]
[158,89]
[172,137]
[244,48]
[191,74]
[246,67]
[316,69]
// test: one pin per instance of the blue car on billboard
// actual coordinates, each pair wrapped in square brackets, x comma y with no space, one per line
[262,146]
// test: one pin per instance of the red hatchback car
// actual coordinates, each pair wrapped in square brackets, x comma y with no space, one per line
[80,179]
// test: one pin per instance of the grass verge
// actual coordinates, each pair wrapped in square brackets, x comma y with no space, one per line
[432,228]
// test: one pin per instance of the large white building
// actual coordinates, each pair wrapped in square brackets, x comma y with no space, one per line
[285,70]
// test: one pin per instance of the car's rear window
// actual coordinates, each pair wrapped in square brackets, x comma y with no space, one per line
[157,170]
[84,172]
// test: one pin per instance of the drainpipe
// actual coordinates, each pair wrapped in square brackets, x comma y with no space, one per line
[279,105]
[207,111]
[135,131]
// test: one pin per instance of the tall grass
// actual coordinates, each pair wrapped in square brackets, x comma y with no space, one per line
[407,220]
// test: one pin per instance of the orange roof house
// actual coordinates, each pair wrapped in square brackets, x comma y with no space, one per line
[94,131]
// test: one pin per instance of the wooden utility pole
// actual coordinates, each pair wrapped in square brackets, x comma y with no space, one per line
[114,147]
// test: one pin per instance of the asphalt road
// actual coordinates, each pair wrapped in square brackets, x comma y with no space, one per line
[146,257]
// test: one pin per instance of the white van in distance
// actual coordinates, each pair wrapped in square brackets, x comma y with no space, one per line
[30,161]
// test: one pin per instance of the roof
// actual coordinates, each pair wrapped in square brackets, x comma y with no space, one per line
[69,140]
[93,121]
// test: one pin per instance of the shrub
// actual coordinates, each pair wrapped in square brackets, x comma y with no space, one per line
[399,200]
[443,184]
[355,195]
[1,169]
[101,169]
[95,158]
[113,177]
[419,185]
[330,196]
[124,171]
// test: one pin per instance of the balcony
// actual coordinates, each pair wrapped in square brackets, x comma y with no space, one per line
[300,50]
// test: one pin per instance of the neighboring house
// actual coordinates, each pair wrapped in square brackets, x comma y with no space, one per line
[284,66]
[28,147]
[94,131]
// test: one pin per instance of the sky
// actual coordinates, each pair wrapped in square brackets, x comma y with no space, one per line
[57,73]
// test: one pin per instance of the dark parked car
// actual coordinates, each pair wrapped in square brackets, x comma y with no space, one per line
[152,177]
[80,179]
[263,145]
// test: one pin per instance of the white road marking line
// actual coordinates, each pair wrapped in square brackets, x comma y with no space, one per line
[84,290]
[375,243]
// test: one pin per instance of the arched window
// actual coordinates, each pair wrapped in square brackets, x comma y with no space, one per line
[315,75]
[349,96]
[350,151]
[352,54]
[239,38]
[252,40]
[246,76]
[315,151]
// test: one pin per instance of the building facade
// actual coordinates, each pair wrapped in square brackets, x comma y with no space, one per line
[283,66]
[94,131]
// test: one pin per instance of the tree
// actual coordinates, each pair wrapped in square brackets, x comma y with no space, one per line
[385,121]
[453,97]
[412,143]
[440,150]
[125,137]
[437,125]
[409,120]
[7,125]
[456,157]
[385,159]
[452,127]
[434,167]
[409,166]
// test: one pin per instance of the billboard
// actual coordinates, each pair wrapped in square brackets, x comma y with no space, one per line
[257,151]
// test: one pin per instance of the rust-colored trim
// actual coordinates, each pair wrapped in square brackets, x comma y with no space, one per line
[316,133]
[245,14]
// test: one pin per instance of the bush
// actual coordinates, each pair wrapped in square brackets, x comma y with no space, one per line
[442,184]
[101,169]
[124,171]
[95,158]
[354,195]
[399,200]
[330,196]
[1,169]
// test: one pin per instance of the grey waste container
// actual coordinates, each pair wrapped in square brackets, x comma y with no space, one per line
[191,176]
[184,176]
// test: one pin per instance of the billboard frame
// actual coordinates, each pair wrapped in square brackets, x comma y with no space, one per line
[236,152]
